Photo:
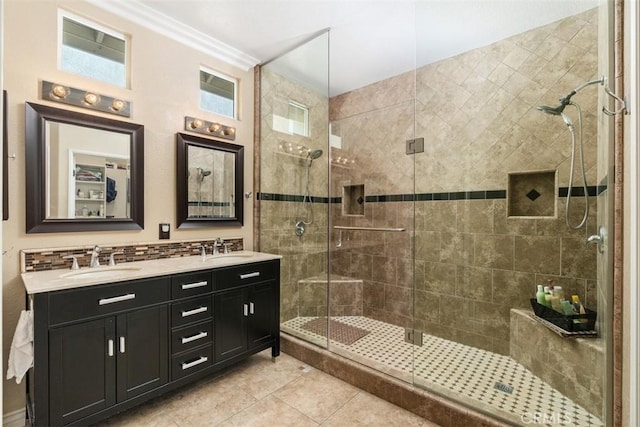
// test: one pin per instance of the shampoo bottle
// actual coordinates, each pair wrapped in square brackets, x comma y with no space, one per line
[540,296]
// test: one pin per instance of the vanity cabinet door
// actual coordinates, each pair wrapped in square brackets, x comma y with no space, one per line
[262,317]
[81,370]
[229,324]
[142,357]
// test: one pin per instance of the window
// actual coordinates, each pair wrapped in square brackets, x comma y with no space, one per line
[298,119]
[92,51]
[217,93]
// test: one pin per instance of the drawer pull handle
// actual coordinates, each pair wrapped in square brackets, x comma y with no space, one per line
[194,337]
[122,350]
[250,275]
[110,346]
[246,310]
[120,298]
[194,311]
[187,365]
[194,285]
[251,310]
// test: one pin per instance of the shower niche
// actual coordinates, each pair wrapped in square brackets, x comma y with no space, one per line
[353,200]
[532,194]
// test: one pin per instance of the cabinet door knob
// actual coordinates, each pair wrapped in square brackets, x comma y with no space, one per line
[110,348]
[246,310]
[122,349]
[250,275]
[251,311]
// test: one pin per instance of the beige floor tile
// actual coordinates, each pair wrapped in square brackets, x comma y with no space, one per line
[260,376]
[367,410]
[317,394]
[269,412]
[208,403]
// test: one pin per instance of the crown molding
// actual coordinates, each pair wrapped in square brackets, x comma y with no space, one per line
[147,17]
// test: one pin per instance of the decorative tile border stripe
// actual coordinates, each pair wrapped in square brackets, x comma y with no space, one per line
[427,197]
[203,204]
[54,259]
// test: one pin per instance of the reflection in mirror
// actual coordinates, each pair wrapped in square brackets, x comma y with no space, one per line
[209,182]
[88,172]
[83,172]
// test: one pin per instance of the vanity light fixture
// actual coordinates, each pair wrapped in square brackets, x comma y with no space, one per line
[209,128]
[85,99]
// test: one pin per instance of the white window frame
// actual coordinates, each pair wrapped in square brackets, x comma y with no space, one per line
[87,22]
[305,110]
[223,77]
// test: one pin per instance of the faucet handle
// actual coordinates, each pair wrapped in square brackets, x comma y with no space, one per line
[226,247]
[74,263]
[203,251]
[112,260]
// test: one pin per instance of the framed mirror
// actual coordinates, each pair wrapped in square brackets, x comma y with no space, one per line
[83,172]
[209,182]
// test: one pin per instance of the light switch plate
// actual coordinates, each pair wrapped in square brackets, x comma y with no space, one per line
[164,231]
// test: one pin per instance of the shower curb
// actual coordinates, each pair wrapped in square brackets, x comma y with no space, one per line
[427,405]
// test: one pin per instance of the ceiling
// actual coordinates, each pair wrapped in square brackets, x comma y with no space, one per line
[369,40]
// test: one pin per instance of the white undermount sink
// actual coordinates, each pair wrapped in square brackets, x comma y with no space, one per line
[100,272]
[232,255]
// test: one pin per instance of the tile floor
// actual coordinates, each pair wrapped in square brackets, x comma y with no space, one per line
[457,371]
[258,392]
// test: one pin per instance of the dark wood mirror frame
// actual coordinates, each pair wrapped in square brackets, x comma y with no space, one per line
[184,221]
[36,117]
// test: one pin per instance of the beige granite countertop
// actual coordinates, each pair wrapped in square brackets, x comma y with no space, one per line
[56,280]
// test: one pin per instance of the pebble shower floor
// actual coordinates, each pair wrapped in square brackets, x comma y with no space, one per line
[479,377]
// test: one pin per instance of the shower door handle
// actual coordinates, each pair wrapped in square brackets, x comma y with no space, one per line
[599,239]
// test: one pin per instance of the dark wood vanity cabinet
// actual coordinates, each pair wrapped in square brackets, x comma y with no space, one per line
[95,364]
[246,312]
[103,349]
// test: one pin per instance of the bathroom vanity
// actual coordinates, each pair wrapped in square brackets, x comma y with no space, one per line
[109,338]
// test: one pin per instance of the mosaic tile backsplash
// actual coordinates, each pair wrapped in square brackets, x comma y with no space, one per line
[56,258]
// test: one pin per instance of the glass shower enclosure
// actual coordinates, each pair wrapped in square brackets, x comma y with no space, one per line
[417,215]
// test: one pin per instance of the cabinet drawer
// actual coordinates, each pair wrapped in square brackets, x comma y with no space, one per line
[189,285]
[190,311]
[191,362]
[91,301]
[192,336]
[246,274]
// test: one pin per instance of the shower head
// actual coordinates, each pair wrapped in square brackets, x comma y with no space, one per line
[555,111]
[312,155]
[203,173]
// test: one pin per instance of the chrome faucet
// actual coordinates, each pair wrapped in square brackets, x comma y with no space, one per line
[95,262]
[112,260]
[218,243]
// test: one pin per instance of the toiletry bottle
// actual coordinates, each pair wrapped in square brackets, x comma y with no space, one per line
[577,304]
[555,300]
[567,308]
[101,211]
[547,296]
[557,290]
[540,296]
[85,211]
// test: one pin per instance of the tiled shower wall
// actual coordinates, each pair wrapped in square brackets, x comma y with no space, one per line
[476,114]
[283,173]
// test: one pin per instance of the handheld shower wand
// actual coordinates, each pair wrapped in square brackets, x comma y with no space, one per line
[559,111]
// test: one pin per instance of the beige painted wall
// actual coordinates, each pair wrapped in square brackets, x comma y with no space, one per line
[164,88]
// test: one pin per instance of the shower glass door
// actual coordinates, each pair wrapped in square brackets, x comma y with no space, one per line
[293,194]
[491,219]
